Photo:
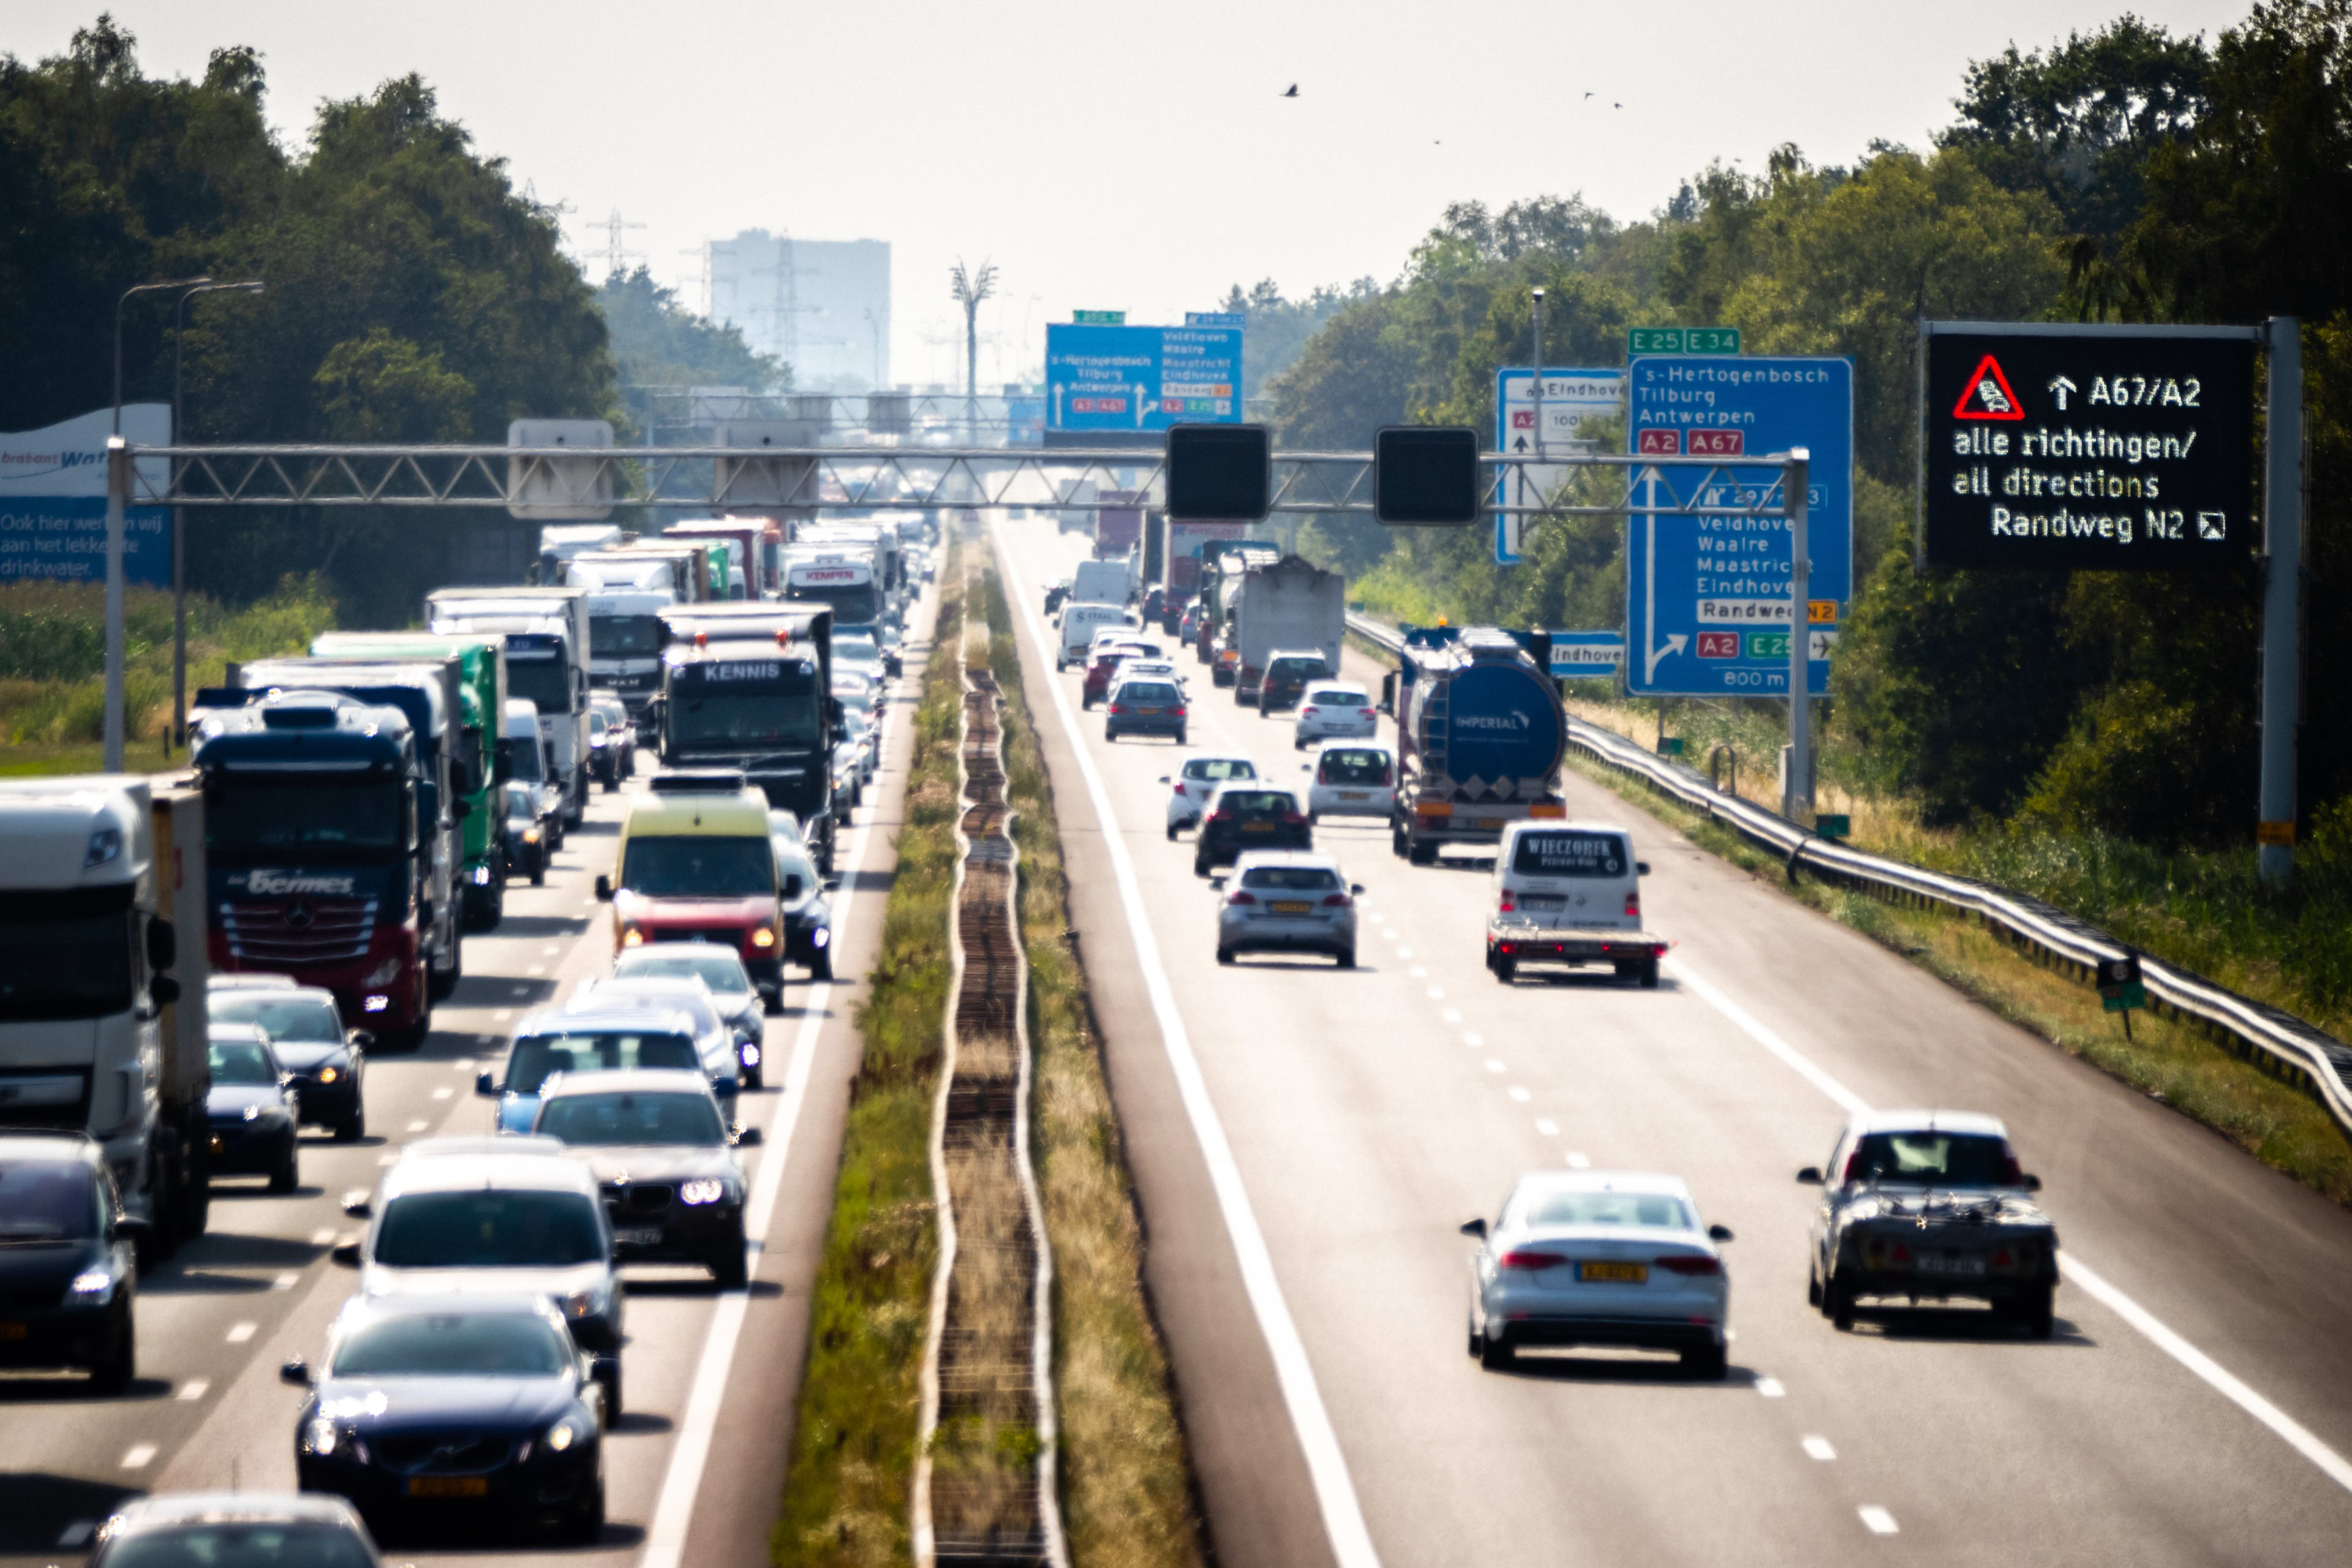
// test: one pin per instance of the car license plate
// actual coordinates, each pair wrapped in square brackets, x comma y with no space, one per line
[1613,1273]
[1257,827]
[1147,713]
[1951,1262]
[448,1486]
[1543,902]
[14,1331]
[1355,794]
[1290,906]
[638,1236]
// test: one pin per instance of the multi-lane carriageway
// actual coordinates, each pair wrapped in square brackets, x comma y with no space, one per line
[695,1467]
[1306,1143]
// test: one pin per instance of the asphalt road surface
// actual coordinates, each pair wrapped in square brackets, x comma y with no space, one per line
[695,1469]
[1307,1141]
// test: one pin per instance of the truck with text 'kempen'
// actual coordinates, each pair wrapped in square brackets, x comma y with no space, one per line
[549,644]
[1290,606]
[315,856]
[102,1026]
[838,576]
[1480,734]
[749,687]
[477,772]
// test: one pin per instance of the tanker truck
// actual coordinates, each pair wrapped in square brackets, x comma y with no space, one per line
[1480,735]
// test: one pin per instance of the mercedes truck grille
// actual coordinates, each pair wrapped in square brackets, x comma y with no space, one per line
[301,930]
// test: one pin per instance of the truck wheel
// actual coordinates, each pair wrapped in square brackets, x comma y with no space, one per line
[1422,854]
[1397,841]
[289,1175]
[439,983]
[538,871]
[1648,975]
[608,1377]
[196,1206]
[1347,956]
[1506,970]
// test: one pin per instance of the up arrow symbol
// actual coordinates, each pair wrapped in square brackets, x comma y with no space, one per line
[1520,444]
[2062,386]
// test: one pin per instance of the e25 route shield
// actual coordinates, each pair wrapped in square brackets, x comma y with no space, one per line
[2086,448]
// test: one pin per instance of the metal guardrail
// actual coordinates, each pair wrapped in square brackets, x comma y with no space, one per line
[2276,1040]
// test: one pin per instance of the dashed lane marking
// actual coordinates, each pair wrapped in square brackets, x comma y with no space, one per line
[286,1281]
[78,1533]
[1578,1161]
[140,1453]
[323,1237]
[1437,992]
[1474,1040]
[240,1332]
[1876,1520]
[195,1388]
[1547,1126]
[1817,1449]
[1771,1387]
[1519,1093]
[418,1126]
[1494,1064]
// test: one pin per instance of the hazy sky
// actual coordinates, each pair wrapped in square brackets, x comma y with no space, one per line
[1113,155]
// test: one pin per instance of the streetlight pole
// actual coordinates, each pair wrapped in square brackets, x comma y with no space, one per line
[179,731]
[118,485]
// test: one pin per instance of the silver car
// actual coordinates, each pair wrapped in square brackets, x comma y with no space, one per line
[1286,900]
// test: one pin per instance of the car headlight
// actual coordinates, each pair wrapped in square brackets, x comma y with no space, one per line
[702,1189]
[384,973]
[823,935]
[750,1055]
[530,835]
[765,936]
[582,1304]
[319,1435]
[329,1075]
[563,1435]
[632,937]
[481,875]
[91,1287]
[376,1004]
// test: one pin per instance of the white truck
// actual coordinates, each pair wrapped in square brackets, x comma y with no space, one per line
[628,592]
[1291,606]
[559,543]
[838,574]
[102,975]
[1102,583]
[548,645]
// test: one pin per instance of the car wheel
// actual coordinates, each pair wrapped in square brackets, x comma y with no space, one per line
[771,1003]
[1506,970]
[613,781]
[755,1078]
[538,872]
[1396,840]
[822,968]
[1422,854]
[1347,956]
[289,1175]
[1708,1365]
[113,1376]
[1649,975]
[1199,866]
[586,1525]
[1224,955]
[352,1128]
[1812,1289]
[1314,819]
[1180,738]
[2035,1310]
[727,1268]
[1840,1297]
[1496,1355]
[608,1378]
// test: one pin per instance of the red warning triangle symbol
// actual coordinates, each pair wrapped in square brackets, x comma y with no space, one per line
[1987,395]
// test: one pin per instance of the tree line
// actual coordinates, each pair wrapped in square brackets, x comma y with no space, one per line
[2125,175]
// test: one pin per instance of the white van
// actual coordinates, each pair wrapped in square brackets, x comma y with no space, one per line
[1079,623]
[1569,892]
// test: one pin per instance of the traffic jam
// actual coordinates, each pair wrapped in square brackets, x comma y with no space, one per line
[1457,753]
[200,971]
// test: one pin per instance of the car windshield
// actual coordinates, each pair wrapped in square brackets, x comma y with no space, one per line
[623,636]
[242,1543]
[535,1057]
[1291,878]
[1541,1209]
[487,1228]
[1570,855]
[240,1061]
[520,806]
[500,1345]
[633,1118]
[679,992]
[1940,1159]
[1254,801]
[716,968]
[1300,670]
[301,1020]
[44,1199]
[698,866]
[1147,692]
[1220,768]
[1335,698]
[540,678]
[1355,767]
[522,755]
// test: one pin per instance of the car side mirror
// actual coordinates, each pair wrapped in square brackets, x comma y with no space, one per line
[1356,889]
[1809,1176]
[603,888]
[129,1228]
[165,990]
[485,1085]
[1641,868]
[360,1040]
[358,1205]
[1163,778]
[725,1088]
[2031,1183]
[346,1255]
[1216,884]
[1718,1233]
[1476,1228]
[748,1137]
[296,1371]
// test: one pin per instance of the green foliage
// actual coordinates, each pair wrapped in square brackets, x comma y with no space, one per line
[1280,328]
[656,342]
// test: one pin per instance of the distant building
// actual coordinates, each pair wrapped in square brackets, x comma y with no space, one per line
[821,305]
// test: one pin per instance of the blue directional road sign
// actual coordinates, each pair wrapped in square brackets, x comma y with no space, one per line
[1707,596]
[1583,655]
[1141,378]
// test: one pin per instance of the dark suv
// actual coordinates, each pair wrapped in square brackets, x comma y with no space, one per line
[1287,674]
[1245,815]
[66,1263]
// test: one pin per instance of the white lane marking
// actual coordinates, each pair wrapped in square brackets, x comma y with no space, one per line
[463,1064]
[1451,1015]
[1519,1093]
[714,1374]
[1547,1126]
[1407,953]
[1417,971]
[1474,1040]
[503,1014]
[1578,1161]
[1771,1387]
[418,1126]
[136,1459]
[323,1237]
[195,1388]
[286,1281]
[2296,1435]
[444,1093]
[385,1159]
[1437,992]
[240,1332]
[1817,1449]
[1876,1520]
[536,969]
[1327,1467]
[78,1533]
[553,951]
[1494,1064]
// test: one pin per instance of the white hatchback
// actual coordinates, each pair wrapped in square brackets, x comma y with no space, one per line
[1329,709]
[1351,778]
[1600,1258]
[1189,787]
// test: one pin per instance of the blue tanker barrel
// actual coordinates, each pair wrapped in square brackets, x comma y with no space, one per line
[1503,722]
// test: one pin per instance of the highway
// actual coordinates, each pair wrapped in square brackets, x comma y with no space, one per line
[695,1467]
[1307,1141]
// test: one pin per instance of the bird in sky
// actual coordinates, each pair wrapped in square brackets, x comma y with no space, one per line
[1293,92]
[1588,95]
[1616,106]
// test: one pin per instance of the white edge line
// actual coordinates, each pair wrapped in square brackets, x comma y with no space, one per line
[2228,1384]
[674,1509]
[1327,1467]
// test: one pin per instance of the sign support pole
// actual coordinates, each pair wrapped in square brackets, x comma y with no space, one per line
[1797,791]
[2282,602]
[118,492]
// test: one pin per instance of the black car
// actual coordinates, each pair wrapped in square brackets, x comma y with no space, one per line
[525,833]
[665,1158]
[1248,815]
[307,1036]
[234,1530]
[473,1410]
[1286,677]
[65,1258]
[252,1109]
[808,913]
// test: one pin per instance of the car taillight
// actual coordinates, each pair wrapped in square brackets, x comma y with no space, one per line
[1633,905]
[1293,819]
[1690,1263]
[1118,708]
[1531,1260]
[1510,903]
[1338,901]
[1238,895]
[1180,786]
[1176,713]
[1308,712]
